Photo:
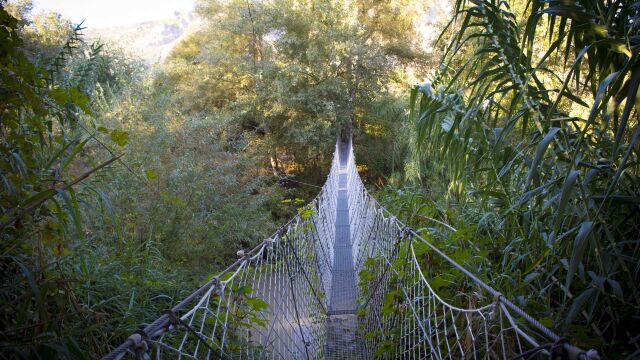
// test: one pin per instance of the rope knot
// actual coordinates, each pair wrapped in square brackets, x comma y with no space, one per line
[278,234]
[240,254]
[405,232]
[497,299]
[136,339]
[269,242]
[218,286]
[173,318]
[140,346]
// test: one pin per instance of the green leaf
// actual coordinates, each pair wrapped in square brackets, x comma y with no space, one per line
[58,154]
[540,150]
[370,262]
[531,276]
[32,283]
[569,10]
[616,45]
[258,321]
[565,196]
[257,304]
[38,197]
[75,212]
[60,96]
[577,251]
[80,99]
[616,289]
[120,137]
[305,213]
[151,174]
[372,335]
[438,282]
[73,154]
[577,304]
[246,289]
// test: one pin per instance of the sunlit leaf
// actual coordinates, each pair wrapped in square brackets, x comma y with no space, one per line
[120,137]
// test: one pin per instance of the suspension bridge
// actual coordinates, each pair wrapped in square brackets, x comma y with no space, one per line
[344,279]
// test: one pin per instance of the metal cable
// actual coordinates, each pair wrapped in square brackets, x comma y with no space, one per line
[259,308]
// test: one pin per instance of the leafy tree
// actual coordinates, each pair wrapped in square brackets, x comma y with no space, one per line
[293,73]
[43,34]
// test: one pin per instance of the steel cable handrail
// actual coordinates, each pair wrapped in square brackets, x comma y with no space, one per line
[164,323]
[500,300]
[293,270]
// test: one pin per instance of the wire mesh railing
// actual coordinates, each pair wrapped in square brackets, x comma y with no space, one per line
[273,302]
[402,316]
[270,304]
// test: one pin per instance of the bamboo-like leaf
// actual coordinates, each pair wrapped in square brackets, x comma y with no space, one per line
[37,197]
[616,45]
[72,155]
[616,289]
[632,91]
[31,281]
[565,196]
[578,304]
[412,103]
[577,251]
[75,212]
[58,154]
[574,67]
[540,150]
[573,12]
[588,61]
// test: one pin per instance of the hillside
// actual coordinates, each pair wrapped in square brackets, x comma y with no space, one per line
[151,40]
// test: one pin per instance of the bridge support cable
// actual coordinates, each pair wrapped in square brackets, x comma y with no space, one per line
[253,309]
[295,307]
[346,279]
[404,317]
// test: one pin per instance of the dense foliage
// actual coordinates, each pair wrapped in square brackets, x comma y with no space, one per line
[125,185]
[293,73]
[531,124]
[114,206]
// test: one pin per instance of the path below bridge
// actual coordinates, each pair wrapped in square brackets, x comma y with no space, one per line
[343,338]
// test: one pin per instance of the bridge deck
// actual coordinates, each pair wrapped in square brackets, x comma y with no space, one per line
[343,340]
